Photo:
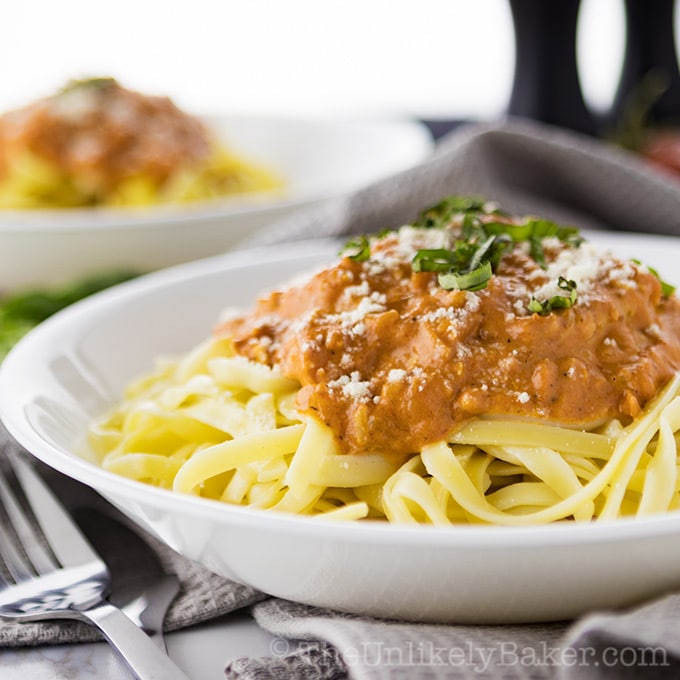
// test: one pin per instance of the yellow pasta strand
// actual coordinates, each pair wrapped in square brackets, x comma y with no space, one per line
[230,454]
[521,433]
[143,466]
[548,466]
[661,473]
[631,446]
[220,426]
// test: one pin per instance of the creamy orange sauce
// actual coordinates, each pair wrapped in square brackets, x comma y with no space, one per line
[392,361]
[101,133]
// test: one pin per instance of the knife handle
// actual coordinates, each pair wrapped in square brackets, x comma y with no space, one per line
[142,656]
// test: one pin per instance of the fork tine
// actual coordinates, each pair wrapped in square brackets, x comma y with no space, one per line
[65,540]
[27,535]
[15,563]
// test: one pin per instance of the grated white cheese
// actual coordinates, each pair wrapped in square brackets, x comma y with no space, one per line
[654,330]
[346,361]
[582,265]
[463,351]
[450,313]
[352,386]
[299,324]
[412,239]
[352,321]
[360,290]
[368,305]
[358,328]
[407,241]
[623,275]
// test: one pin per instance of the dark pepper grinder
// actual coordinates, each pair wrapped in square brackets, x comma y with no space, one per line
[650,77]
[546,84]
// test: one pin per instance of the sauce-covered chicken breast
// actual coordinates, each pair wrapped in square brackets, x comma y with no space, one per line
[471,367]
[467,313]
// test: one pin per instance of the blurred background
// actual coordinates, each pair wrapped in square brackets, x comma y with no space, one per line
[311,100]
[435,59]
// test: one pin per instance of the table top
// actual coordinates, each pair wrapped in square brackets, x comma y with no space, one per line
[201,651]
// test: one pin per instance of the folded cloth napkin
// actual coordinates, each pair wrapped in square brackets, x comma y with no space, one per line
[326,645]
[526,167]
[529,169]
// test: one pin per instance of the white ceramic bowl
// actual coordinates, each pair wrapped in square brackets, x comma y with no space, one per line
[75,365]
[317,160]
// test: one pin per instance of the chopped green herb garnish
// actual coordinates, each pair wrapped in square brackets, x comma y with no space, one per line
[440,215]
[467,266]
[536,250]
[434,260]
[470,262]
[472,280]
[358,249]
[544,307]
[484,238]
[87,84]
[534,231]
[667,289]
[484,253]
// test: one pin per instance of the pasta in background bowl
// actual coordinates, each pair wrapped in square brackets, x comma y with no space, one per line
[97,143]
[100,221]
[75,366]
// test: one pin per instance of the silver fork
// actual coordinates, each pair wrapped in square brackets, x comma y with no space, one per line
[59,576]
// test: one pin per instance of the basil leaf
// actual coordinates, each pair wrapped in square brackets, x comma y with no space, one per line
[536,229]
[536,250]
[472,280]
[481,253]
[667,289]
[482,241]
[443,212]
[517,232]
[357,249]
[433,260]
[556,301]
[472,228]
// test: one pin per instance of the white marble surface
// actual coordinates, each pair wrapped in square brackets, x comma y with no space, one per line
[201,652]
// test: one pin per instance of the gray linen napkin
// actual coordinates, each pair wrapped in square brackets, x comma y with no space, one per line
[642,643]
[528,168]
